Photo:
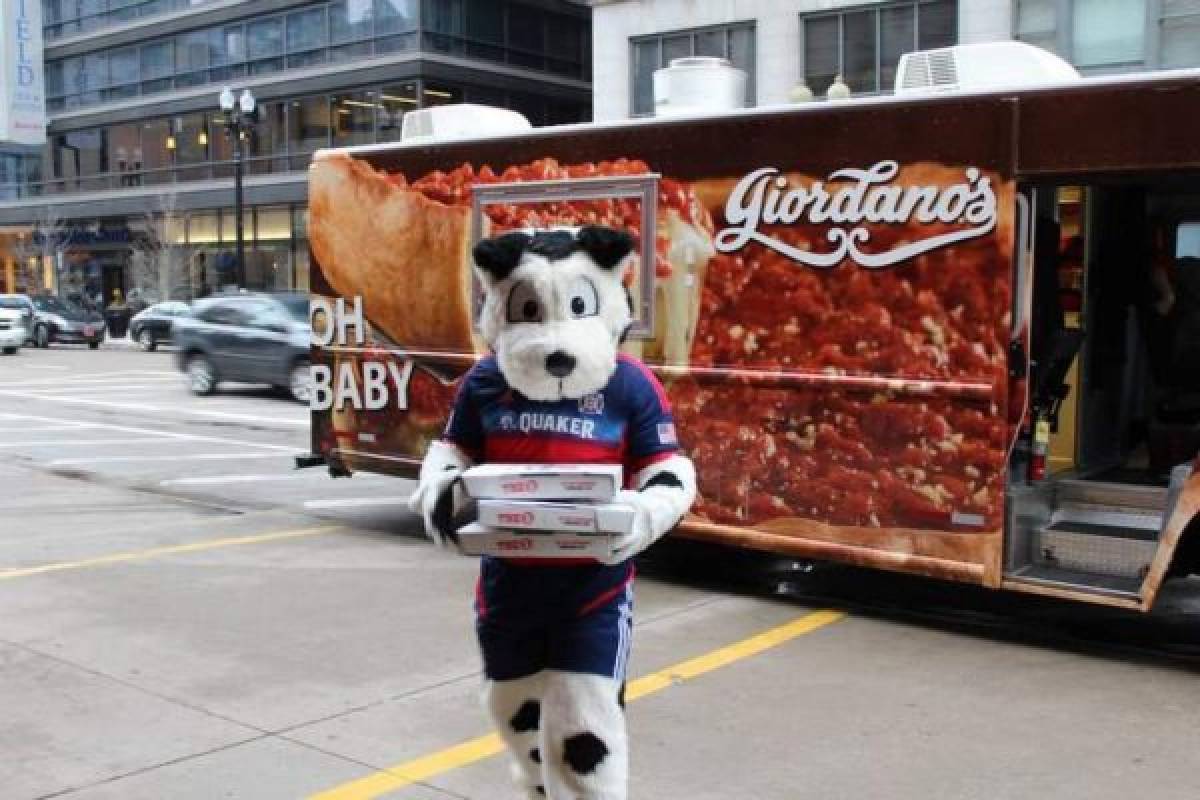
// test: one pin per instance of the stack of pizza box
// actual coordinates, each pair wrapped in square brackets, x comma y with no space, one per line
[545,510]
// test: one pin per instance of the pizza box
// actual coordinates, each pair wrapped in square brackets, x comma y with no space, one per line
[480,540]
[543,481]
[543,516]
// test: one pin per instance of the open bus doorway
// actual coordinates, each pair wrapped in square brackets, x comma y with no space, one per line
[1115,371]
[1139,399]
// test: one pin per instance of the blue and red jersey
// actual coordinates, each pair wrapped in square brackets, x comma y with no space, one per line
[628,422]
[535,614]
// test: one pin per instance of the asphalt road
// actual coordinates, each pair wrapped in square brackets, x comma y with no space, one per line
[184,615]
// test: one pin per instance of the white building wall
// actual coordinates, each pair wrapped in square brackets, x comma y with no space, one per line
[777,39]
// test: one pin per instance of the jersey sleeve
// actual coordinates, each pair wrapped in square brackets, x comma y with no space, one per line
[464,428]
[651,431]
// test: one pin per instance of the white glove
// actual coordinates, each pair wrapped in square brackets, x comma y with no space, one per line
[439,495]
[668,491]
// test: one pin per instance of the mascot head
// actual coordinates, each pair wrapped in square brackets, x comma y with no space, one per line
[555,308]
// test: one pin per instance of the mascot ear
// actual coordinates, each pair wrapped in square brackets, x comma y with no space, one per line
[499,256]
[606,246]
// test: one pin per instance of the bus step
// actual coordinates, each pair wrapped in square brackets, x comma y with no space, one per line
[1060,578]
[1102,543]
[1099,493]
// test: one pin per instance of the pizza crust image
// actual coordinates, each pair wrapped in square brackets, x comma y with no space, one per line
[402,253]
[403,245]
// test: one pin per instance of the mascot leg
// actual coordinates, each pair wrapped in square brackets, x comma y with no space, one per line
[515,707]
[583,737]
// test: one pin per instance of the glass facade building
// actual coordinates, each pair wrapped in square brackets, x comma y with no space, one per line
[135,128]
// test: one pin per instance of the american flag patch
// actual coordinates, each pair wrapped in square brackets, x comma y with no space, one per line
[666,433]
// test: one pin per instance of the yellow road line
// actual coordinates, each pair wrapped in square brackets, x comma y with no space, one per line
[140,555]
[469,752]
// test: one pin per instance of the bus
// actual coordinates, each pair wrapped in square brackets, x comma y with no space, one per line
[954,334]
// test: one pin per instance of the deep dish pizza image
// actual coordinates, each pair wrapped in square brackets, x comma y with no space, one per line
[811,399]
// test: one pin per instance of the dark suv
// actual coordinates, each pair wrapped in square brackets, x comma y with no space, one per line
[252,338]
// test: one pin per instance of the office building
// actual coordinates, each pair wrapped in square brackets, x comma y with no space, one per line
[133,188]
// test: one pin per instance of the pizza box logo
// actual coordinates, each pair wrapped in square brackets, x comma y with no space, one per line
[520,486]
[514,545]
[516,517]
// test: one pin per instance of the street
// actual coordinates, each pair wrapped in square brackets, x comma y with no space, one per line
[183,614]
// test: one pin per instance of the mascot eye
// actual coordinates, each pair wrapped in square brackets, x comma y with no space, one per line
[582,298]
[523,304]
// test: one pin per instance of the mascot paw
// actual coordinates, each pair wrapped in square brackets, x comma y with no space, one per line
[667,491]
[640,536]
[439,496]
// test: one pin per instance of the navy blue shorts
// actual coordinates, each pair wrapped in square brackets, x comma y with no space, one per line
[576,618]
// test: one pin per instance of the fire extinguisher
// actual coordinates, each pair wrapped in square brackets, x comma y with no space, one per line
[1041,445]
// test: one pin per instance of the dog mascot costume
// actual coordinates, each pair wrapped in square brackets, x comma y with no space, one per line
[555,635]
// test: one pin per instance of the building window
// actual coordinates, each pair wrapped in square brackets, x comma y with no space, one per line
[1179,34]
[353,118]
[864,45]
[734,42]
[506,31]
[308,128]
[264,46]
[394,102]
[306,37]
[1114,35]
[185,147]
[192,53]
[69,17]
[1108,32]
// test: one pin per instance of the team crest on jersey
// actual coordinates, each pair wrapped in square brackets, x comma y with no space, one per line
[591,403]
[666,433]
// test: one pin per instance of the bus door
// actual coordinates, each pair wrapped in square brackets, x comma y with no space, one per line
[1108,389]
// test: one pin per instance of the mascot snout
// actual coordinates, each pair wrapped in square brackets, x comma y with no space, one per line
[560,364]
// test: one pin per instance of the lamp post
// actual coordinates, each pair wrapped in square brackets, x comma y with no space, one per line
[240,115]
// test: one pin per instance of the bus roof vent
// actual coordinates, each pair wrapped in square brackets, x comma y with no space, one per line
[930,69]
[976,67]
[460,121]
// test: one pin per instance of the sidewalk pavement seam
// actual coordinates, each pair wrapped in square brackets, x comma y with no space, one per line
[260,734]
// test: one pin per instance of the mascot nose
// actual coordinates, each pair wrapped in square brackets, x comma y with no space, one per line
[560,364]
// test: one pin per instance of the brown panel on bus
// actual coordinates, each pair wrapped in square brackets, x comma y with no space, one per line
[1138,126]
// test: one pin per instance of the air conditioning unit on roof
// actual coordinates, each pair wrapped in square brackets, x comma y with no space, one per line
[978,67]
[460,121]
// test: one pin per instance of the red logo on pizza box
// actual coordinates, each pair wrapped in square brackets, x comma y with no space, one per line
[515,517]
[524,543]
[520,486]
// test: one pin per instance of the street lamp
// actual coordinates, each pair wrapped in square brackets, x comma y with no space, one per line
[240,115]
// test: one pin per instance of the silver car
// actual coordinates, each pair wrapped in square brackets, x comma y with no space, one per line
[24,306]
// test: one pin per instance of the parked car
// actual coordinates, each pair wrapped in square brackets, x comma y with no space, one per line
[12,330]
[253,338]
[56,320]
[20,303]
[152,326]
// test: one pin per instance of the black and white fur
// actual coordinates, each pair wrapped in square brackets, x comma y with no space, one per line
[555,308]
[555,313]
